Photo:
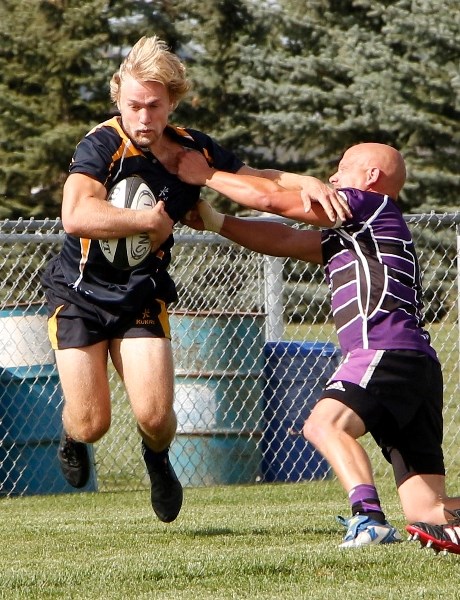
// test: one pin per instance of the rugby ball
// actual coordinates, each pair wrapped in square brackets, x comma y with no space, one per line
[127,253]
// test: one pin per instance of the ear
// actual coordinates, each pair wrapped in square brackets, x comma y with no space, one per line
[372,175]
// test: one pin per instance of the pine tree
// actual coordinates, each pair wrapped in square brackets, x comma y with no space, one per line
[292,84]
[424,113]
[56,60]
[362,70]
[50,51]
[283,83]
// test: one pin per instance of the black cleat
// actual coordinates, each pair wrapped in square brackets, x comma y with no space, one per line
[74,459]
[166,491]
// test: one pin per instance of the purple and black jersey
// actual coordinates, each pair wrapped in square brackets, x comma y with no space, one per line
[390,375]
[374,277]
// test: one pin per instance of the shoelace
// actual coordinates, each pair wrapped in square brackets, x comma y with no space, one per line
[70,454]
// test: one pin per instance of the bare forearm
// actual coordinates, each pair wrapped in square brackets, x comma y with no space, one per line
[267,196]
[273,239]
[86,213]
[311,191]
[246,190]
[99,220]
[257,235]
[289,181]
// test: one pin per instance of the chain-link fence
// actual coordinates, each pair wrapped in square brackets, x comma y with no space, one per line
[253,344]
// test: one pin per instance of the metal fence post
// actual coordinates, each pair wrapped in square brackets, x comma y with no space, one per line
[274,305]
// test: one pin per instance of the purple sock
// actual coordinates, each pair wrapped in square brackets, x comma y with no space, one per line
[365,499]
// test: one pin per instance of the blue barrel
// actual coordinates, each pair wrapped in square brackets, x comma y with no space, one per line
[218,397]
[30,407]
[295,374]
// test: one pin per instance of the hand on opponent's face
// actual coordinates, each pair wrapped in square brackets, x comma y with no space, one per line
[334,204]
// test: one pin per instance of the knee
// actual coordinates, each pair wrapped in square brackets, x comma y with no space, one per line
[96,431]
[319,430]
[307,431]
[312,431]
[155,423]
[88,430]
[423,498]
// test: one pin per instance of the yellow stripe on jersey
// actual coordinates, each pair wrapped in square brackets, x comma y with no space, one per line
[126,149]
[181,131]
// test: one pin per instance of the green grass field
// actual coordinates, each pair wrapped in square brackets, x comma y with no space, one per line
[266,541]
[255,542]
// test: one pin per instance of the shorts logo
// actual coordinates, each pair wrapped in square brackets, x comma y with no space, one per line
[337,385]
[146,319]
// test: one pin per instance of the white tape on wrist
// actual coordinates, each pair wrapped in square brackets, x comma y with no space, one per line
[212,219]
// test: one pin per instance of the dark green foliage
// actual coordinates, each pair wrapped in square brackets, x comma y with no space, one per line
[287,84]
[56,61]
[437,248]
[52,87]
[292,84]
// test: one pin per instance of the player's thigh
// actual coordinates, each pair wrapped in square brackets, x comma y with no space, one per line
[84,381]
[146,367]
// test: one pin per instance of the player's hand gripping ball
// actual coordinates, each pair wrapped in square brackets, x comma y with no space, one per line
[129,252]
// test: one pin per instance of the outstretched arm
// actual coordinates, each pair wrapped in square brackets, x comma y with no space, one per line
[259,235]
[311,189]
[276,192]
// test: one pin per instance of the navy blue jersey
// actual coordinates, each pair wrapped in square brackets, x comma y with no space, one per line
[108,155]
[374,276]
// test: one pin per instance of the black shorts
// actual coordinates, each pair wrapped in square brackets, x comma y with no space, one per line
[399,396]
[79,324]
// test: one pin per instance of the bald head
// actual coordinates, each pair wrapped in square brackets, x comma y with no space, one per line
[371,167]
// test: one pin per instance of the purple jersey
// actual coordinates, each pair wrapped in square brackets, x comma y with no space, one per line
[374,277]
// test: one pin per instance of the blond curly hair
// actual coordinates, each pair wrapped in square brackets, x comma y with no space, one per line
[151,60]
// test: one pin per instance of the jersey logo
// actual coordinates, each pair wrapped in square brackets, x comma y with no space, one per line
[164,193]
[336,385]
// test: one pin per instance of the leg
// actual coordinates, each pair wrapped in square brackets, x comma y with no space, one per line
[83,375]
[423,498]
[146,366]
[86,412]
[424,501]
[418,465]
[333,428]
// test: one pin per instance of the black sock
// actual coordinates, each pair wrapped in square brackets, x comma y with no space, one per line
[377,515]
